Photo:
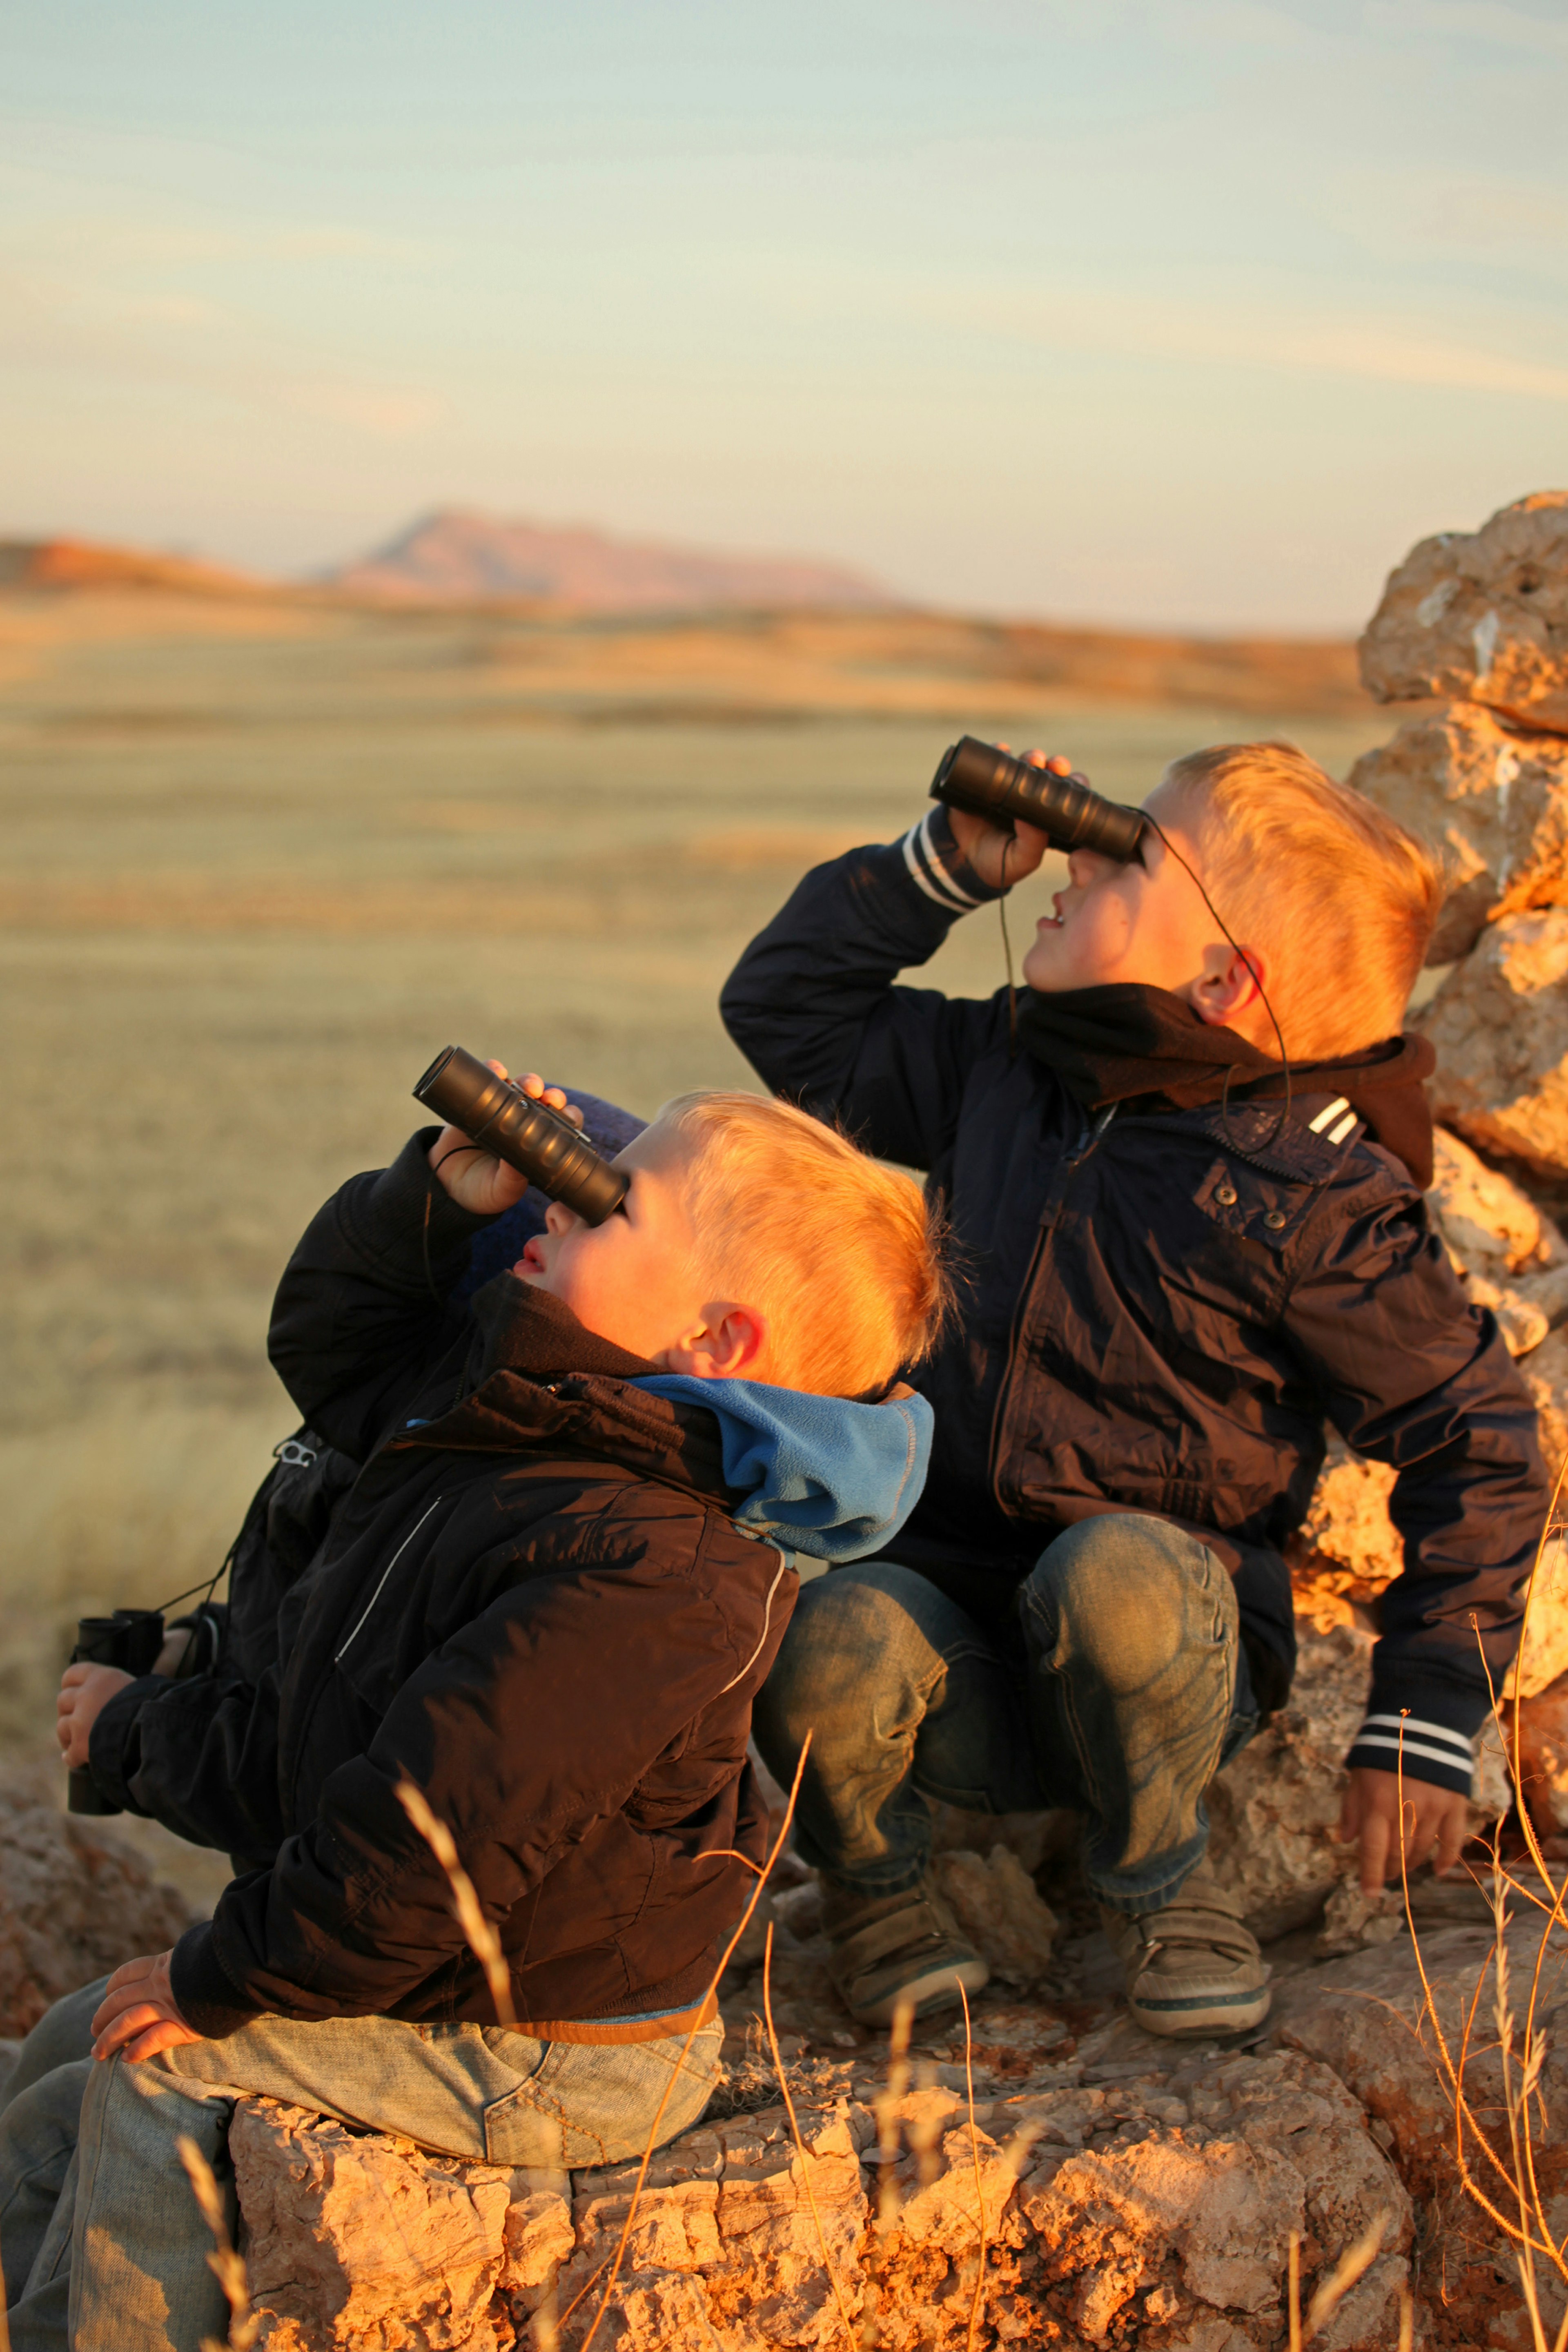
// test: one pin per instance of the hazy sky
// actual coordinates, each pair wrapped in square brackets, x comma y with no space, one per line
[1132,309]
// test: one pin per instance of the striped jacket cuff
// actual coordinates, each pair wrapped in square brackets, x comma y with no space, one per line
[939,868]
[1413,1744]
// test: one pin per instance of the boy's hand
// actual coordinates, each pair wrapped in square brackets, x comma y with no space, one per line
[1435,1823]
[137,2015]
[1001,859]
[477,1180]
[85,1689]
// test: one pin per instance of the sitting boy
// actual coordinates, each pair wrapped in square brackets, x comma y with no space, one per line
[548,1601]
[1177,1271]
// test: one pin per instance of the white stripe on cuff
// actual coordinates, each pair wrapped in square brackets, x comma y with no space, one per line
[1415,1727]
[1332,1112]
[930,873]
[1409,1746]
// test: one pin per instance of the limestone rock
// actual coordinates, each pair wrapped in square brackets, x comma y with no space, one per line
[1348,1548]
[1481,615]
[1491,799]
[997,1904]
[1367,2019]
[1274,1808]
[1542,1657]
[1175,2221]
[734,2210]
[1509,1254]
[1543,1772]
[1499,1028]
[1545,1374]
[74,1903]
[538,2238]
[973,2176]
[359,2240]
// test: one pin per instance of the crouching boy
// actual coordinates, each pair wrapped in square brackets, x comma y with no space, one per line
[1177,1274]
[560,1576]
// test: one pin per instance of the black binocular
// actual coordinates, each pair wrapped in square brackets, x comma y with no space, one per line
[529,1137]
[129,1640]
[990,783]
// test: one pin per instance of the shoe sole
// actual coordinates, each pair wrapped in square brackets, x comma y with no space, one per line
[1179,2014]
[934,1989]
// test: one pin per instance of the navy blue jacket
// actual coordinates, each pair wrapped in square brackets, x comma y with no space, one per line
[1162,1308]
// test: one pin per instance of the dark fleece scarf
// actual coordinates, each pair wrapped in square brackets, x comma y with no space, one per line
[1115,1043]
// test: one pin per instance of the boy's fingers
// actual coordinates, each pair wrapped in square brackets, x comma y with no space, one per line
[165,2036]
[1450,1836]
[123,2027]
[1375,1843]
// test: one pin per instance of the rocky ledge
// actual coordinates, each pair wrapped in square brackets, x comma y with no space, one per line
[1101,2187]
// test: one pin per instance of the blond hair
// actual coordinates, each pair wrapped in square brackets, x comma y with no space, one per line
[1338,900]
[841,1254]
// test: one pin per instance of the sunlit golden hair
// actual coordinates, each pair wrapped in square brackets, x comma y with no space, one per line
[841,1254]
[1338,900]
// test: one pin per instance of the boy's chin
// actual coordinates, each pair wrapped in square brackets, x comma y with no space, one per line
[1039,972]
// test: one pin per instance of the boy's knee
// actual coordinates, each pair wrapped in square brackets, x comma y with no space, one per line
[855,1632]
[1132,1594]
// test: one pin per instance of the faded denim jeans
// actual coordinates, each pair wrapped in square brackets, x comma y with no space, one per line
[104,2248]
[1124,1692]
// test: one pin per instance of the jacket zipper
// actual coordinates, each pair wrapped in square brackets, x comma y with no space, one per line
[1088,1143]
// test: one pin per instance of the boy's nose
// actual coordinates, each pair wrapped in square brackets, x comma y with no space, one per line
[558,1219]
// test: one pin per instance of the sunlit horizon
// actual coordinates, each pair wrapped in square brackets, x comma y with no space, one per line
[1160,316]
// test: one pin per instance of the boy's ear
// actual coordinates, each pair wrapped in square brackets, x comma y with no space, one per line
[729,1346]
[1229,985]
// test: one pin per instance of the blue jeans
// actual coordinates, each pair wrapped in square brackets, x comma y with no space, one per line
[1125,1692]
[105,2249]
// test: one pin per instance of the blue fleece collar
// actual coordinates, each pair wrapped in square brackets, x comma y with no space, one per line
[819,1474]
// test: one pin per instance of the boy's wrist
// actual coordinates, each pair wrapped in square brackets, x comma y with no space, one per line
[1425,1734]
[204,1994]
[939,868]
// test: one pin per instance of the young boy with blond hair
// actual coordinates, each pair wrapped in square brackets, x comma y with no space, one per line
[1178,1268]
[576,1537]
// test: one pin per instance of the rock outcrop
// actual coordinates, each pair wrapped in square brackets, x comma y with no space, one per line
[74,1903]
[1493,798]
[1499,1025]
[1105,2197]
[1481,616]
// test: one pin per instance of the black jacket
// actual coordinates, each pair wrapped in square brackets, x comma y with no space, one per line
[1163,1308]
[533,1603]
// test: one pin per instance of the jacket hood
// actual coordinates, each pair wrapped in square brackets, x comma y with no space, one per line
[820,1474]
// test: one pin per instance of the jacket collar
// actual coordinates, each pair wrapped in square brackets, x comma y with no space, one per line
[1124,1042]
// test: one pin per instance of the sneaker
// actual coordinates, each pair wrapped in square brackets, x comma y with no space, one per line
[888,1949]
[1191,1968]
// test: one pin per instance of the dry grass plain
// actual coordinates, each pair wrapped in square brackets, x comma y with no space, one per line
[266,855]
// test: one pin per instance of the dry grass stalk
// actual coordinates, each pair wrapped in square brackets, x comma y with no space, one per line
[887,2112]
[1515,2203]
[227,2265]
[806,2160]
[774,1851]
[977,2305]
[1352,2264]
[482,1940]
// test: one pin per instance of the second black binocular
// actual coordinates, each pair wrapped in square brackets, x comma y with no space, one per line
[542,1146]
[976,776]
[131,1640]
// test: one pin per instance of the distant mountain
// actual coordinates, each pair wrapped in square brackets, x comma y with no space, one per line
[454,557]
